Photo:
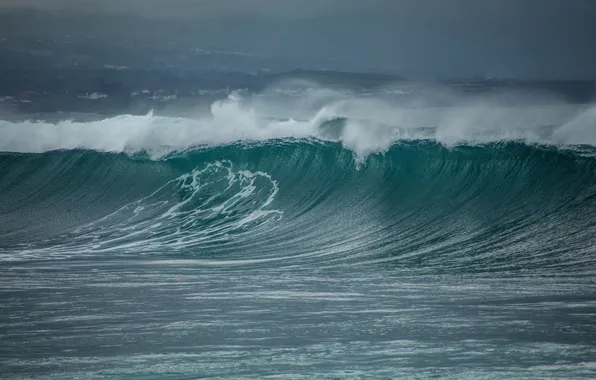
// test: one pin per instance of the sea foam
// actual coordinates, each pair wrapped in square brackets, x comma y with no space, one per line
[366,125]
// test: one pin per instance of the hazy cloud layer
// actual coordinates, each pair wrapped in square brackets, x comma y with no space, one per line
[503,38]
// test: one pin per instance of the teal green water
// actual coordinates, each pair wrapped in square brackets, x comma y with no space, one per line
[418,207]
[296,259]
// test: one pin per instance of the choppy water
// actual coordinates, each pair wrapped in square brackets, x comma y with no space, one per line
[328,248]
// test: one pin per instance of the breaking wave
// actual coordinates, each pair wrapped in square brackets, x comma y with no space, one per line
[355,182]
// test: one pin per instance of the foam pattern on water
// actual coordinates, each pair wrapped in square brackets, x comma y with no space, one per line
[207,206]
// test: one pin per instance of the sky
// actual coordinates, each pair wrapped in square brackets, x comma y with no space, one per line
[421,38]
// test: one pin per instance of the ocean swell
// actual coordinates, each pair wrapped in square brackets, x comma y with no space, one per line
[418,207]
[355,182]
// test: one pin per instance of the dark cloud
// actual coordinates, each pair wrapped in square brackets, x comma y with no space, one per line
[189,8]
[426,9]
[503,38]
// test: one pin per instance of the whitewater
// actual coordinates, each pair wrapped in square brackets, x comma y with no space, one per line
[319,235]
[370,125]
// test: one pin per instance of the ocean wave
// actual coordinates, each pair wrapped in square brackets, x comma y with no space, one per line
[325,179]
[418,207]
[365,126]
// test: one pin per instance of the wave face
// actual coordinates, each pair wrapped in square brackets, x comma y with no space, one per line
[325,179]
[420,206]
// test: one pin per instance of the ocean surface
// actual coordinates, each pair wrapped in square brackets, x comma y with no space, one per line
[318,235]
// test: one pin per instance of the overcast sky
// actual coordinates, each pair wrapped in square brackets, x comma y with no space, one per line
[502,38]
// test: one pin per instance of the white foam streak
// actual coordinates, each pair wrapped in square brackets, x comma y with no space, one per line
[201,208]
[371,125]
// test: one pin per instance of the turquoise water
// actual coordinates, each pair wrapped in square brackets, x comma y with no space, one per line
[310,235]
[295,258]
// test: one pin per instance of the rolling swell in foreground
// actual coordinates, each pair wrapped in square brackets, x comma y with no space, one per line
[353,243]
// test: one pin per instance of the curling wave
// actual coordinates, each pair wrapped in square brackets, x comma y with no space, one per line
[510,194]
[420,206]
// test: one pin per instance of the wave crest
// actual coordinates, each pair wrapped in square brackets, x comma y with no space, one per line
[363,125]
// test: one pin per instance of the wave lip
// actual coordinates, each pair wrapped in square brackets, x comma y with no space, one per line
[365,126]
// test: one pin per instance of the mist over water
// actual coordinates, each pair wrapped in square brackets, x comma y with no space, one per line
[363,124]
[317,233]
